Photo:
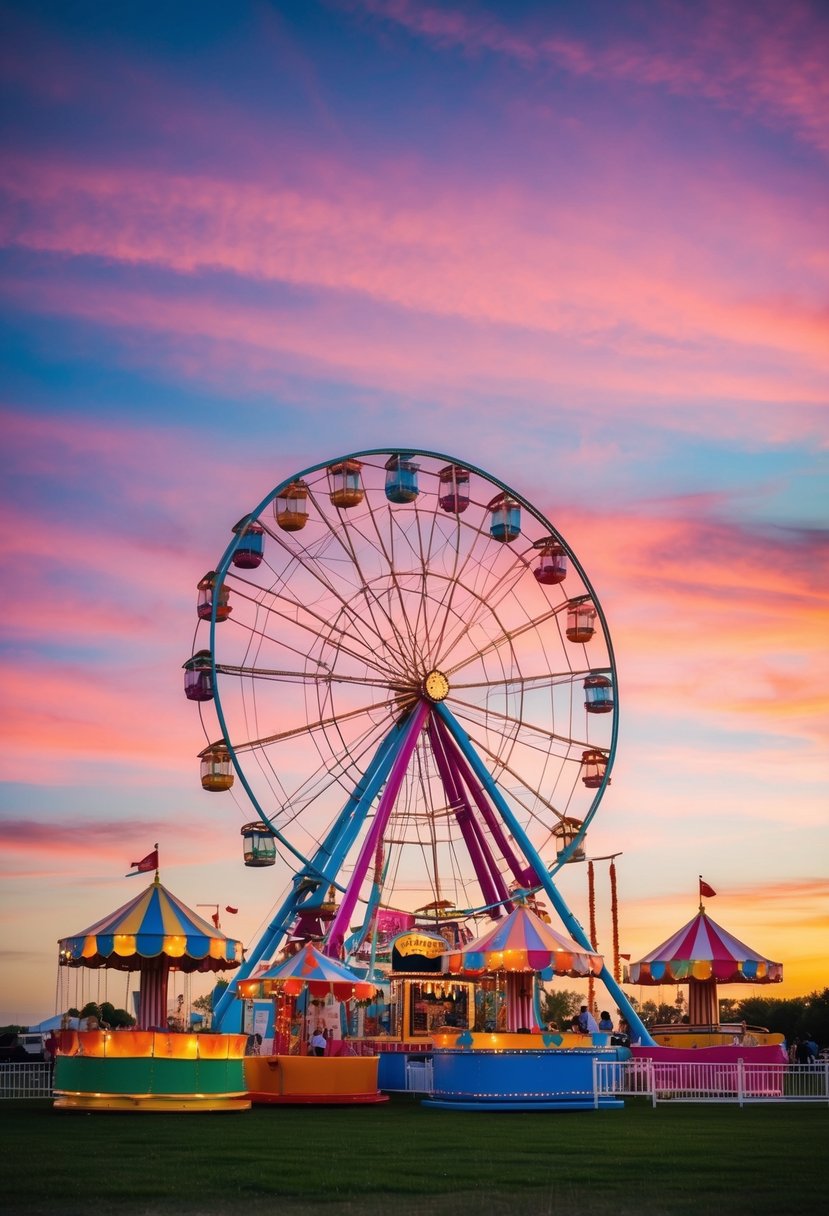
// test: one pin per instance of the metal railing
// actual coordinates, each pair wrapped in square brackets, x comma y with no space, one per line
[419,1077]
[26,1080]
[692,1081]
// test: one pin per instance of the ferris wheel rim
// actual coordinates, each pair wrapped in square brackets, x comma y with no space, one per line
[256,514]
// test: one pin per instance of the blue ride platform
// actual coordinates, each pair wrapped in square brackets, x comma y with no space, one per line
[520,1072]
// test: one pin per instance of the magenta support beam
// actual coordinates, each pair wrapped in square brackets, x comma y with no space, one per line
[342,920]
[521,872]
[476,844]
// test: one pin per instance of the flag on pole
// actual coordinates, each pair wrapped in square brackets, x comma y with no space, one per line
[150,862]
[704,889]
[215,919]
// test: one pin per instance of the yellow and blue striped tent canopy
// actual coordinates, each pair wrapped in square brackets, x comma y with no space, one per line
[153,925]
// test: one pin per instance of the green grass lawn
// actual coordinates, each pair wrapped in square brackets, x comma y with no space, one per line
[401,1158]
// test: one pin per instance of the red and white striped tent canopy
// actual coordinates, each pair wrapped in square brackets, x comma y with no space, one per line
[703,950]
[703,954]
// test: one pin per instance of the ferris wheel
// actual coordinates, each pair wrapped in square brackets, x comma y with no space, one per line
[413,682]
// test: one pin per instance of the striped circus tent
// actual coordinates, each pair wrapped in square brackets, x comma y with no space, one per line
[152,934]
[518,946]
[702,954]
[310,969]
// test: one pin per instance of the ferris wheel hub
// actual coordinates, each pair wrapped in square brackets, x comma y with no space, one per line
[436,686]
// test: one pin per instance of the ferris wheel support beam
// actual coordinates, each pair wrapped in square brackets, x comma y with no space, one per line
[519,871]
[405,747]
[355,941]
[570,922]
[493,887]
[309,884]
[346,827]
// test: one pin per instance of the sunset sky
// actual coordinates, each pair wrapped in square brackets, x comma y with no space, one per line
[583,246]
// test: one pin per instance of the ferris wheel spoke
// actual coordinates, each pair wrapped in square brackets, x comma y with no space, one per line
[258,604]
[485,604]
[481,716]
[424,555]
[342,537]
[356,623]
[495,648]
[508,637]
[531,682]
[319,627]
[454,583]
[309,677]
[306,727]
[410,641]
[423,618]
[323,630]
[364,757]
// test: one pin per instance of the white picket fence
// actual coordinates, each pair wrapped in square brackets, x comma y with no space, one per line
[419,1078]
[26,1080]
[692,1081]
[682,1081]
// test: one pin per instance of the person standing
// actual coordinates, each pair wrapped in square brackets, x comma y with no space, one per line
[587,1023]
[318,1042]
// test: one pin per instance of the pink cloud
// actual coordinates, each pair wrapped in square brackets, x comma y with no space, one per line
[109,841]
[566,274]
[765,62]
[578,298]
[220,344]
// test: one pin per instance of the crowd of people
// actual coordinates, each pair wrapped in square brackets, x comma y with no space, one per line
[803,1050]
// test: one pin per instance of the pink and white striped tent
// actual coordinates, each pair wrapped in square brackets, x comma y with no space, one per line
[517,947]
[702,954]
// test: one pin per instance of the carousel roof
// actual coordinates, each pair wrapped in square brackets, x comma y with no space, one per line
[153,925]
[703,950]
[522,941]
[311,969]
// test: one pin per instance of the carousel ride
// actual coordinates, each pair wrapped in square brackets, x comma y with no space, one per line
[150,1068]
[405,670]
[296,1077]
[703,955]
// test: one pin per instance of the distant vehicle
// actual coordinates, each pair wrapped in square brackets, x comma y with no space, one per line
[32,1044]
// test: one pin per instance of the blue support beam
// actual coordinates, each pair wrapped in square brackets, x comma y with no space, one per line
[321,870]
[638,1029]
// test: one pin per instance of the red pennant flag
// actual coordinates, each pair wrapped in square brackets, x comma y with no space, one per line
[150,862]
[215,919]
[705,890]
[233,910]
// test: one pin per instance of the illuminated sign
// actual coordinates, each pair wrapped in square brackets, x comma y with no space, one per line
[427,945]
